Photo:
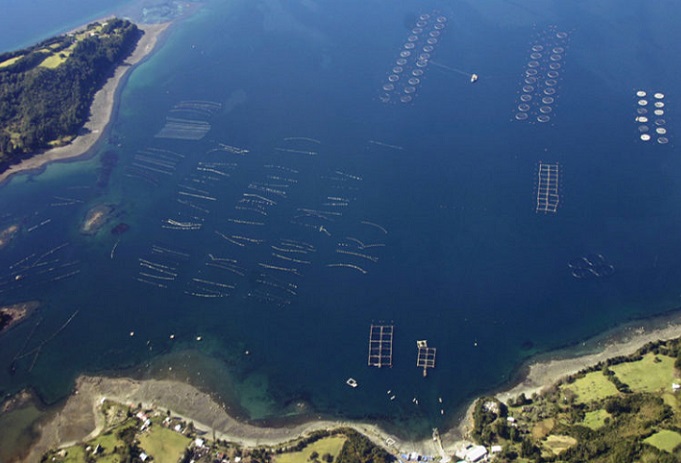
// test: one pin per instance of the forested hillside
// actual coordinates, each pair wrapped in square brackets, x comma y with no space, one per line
[46,90]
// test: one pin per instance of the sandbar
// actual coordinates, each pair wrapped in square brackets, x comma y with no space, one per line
[101,110]
[96,218]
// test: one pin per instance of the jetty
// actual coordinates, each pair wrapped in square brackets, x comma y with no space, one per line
[381,345]
[426,356]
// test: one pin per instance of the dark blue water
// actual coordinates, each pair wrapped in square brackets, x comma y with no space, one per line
[466,262]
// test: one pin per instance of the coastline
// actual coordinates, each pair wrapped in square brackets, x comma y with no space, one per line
[101,110]
[545,370]
[77,419]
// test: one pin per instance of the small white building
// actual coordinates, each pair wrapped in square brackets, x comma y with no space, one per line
[146,424]
[198,442]
[476,453]
[495,449]
[676,387]
[471,453]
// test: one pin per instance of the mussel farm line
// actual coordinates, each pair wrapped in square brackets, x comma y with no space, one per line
[246,239]
[591,266]
[189,120]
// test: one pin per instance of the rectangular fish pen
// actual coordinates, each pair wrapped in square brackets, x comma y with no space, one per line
[547,188]
[426,356]
[381,345]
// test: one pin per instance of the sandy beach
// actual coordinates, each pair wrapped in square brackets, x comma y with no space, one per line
[78,419]
[100,112]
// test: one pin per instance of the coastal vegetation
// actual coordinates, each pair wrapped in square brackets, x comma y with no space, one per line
[46,90]
[623,409]
[135,434]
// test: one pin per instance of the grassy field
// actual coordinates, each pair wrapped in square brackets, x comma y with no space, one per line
[108,442]
[594,386]
[331,445]
[56,59]
[75,454]
[10,61]
[558,444]
[163,444]
[647,375]
[664,440]
[543,428]
[595,419]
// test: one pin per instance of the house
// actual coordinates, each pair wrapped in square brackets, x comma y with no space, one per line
[146,424]
[144,456]
[476,453]
[471,453]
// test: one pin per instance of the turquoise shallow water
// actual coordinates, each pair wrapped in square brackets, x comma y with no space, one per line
[442,221]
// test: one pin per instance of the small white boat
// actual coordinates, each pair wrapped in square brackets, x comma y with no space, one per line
[351,382]
[474,78]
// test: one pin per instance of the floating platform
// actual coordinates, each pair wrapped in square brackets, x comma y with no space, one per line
[381,345]
[426,356]
[547,188]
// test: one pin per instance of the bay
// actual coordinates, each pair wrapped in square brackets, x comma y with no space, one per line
[456,253]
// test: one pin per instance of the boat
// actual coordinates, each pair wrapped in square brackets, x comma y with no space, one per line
[474,78]
[351,382]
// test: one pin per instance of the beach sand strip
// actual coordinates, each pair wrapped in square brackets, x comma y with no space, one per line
[101,110]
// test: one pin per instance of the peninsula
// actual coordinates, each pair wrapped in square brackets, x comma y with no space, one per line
[98,56]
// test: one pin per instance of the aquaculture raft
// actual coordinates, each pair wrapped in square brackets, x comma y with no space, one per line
[547,189]
[426,356]
[381,345]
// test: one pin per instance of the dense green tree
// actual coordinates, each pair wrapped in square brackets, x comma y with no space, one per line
[39,105]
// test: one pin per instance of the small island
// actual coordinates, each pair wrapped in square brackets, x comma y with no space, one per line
[47,90]
[14,314]
[96,218]
[7,234]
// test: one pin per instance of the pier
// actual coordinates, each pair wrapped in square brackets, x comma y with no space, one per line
[381,345]
[426,356]
[547,188]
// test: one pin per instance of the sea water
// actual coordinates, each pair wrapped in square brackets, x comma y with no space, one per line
[461,258]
